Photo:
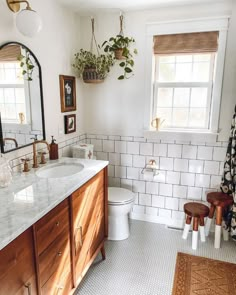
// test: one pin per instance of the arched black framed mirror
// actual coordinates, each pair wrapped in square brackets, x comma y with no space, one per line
[21,97]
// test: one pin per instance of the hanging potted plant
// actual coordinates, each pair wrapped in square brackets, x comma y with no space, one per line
[93,68]
[120,47]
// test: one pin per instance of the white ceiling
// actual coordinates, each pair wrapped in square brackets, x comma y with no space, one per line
[89,6]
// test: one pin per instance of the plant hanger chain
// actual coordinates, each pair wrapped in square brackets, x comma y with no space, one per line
[121,25]
[93,39]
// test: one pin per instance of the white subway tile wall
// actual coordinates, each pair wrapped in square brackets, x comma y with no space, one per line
[186,171]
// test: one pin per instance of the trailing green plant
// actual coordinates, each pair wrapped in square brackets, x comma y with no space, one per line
[88,60]
[26,65]
[123,44]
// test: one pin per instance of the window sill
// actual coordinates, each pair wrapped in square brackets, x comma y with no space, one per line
[183,135]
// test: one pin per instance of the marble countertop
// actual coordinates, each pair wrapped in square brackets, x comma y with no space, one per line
[28,197]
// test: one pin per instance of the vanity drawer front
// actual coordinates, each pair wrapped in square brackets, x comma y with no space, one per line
[58,284]
[56,257]
[51,225]
[17,267]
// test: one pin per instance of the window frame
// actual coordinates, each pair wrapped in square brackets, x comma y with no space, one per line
[208,85]
[177,27]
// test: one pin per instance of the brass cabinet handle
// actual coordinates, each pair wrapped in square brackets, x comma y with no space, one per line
[59,253]
[57,223]
[81,235]
[28,286]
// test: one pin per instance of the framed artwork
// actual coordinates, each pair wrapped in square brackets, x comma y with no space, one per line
[70,123]
[68,93]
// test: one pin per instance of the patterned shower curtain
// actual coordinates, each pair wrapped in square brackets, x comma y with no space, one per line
[228,183]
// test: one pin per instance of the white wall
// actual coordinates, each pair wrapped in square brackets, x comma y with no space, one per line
[54,47]
[117,107]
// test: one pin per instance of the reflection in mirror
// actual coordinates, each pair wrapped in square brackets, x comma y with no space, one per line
[21,100]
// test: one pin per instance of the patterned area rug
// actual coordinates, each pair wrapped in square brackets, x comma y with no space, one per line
[202,276]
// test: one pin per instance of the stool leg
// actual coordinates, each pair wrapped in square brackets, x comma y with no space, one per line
[209,220]
[187,227]
[218,227]
[225,232]
[195,233]
[202,231]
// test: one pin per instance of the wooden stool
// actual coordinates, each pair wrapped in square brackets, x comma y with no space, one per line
[197,211]
[218,201]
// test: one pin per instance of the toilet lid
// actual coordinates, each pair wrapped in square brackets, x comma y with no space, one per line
[120,195]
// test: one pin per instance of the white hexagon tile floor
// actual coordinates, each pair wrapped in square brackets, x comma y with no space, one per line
[144,264]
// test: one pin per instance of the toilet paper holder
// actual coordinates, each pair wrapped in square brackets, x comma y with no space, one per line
[150,167]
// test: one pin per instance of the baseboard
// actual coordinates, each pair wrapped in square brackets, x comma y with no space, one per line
[173,223]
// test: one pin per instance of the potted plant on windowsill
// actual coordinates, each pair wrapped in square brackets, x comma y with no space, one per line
[91,67]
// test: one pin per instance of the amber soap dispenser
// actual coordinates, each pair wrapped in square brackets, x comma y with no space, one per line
[53,153]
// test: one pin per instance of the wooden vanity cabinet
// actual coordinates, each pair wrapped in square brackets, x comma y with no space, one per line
[53,252]
[53,255]
[17,266]
[89,224]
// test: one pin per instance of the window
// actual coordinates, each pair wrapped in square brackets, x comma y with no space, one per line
[12,92]
[183,83]
[184,78]
[183,90]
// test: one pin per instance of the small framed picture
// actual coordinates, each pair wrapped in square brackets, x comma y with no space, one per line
[70,123]
[68,93]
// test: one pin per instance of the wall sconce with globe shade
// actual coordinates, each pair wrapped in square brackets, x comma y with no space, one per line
[28,22]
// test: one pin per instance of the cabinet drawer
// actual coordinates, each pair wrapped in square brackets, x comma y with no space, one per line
[17,267]
[56,257]
[58,284]
[51,225]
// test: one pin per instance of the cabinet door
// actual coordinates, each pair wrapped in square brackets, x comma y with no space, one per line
[17,267]
[85,203]
[53,251]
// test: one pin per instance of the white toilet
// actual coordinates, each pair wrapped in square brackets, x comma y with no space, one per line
[120,202]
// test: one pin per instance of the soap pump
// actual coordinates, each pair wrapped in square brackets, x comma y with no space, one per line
[53,153]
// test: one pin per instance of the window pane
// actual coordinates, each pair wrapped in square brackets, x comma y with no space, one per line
[165,97]
[180,117]
[164,114]
[184,58]
[197,118]
[20,95]
[181,97]
[201,72]
[199,97]
[202,57]
[167,59]
[2,110]
[9,95]
[183,72]
[1,95]
[20,108]
[166,72]
[10,110]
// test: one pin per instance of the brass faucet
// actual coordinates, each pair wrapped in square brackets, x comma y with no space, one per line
[35,161]
[10,138]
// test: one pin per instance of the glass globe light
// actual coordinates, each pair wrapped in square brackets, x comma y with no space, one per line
[28,22]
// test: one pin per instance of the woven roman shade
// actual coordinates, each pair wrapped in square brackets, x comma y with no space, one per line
[186,43]
[10,53]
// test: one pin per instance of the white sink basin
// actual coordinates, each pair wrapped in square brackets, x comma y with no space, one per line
[59,170]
